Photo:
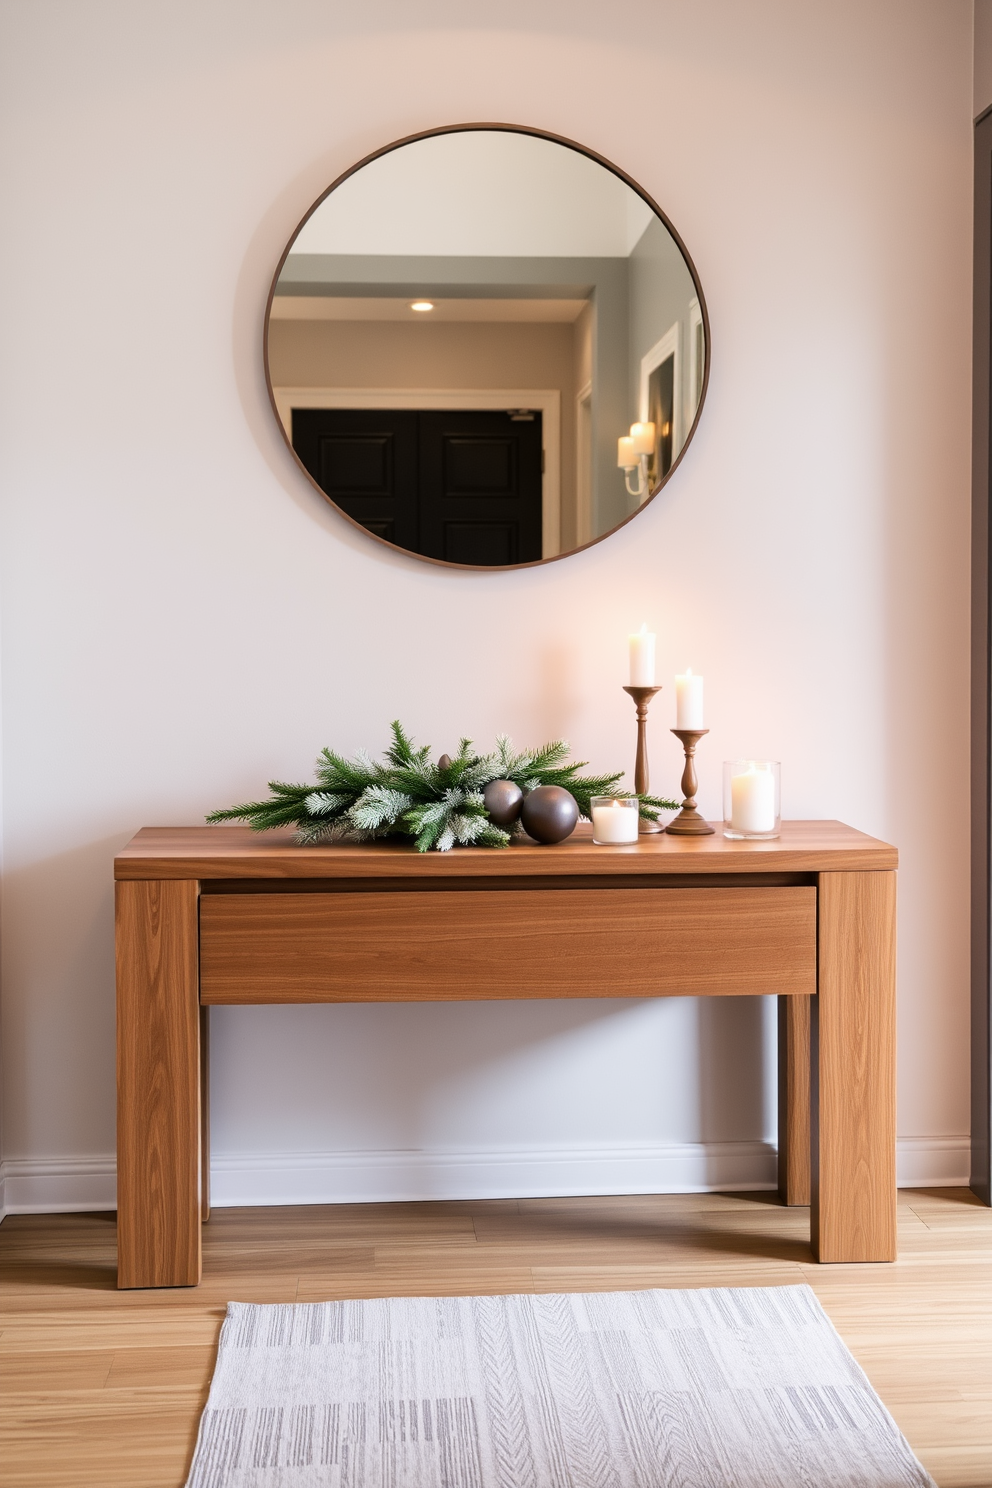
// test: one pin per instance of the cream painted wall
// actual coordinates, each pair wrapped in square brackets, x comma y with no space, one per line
[184,618]
[392,353]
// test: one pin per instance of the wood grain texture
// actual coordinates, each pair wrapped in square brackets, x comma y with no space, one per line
[103,1389]
[853,1097]
[237,852]
[664,917]
[158,1085]
[793,1100]
[273,948]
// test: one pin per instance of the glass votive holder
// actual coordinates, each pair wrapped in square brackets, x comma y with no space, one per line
[615,819]
[752,798]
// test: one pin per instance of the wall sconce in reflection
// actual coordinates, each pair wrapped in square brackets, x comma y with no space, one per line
[634,450]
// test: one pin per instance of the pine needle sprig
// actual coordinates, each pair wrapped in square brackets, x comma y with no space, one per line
[335,773]
[287,805]
[402,753]
[551,757]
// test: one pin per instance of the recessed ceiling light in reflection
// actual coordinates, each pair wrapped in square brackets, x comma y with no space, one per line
[422,305]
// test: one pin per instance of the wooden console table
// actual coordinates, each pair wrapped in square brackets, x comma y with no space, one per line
[209,915]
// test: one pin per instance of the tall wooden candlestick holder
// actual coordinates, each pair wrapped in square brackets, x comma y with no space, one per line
[689,823]
[642,697]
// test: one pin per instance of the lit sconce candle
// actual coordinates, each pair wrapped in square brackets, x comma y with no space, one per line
[627,456]
[752,798]
[689,701]
[615,820]
[634,451]
[642,658]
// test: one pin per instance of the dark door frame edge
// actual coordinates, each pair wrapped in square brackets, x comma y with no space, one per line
[981,676]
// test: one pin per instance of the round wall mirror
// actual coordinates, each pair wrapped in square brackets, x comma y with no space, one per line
[486,346]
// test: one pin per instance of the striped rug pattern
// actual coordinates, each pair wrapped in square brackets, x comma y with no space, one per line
[722,1388]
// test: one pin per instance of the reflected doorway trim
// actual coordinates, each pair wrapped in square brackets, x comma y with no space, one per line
[696,333]
[667,347]
[583,465]
[546,401]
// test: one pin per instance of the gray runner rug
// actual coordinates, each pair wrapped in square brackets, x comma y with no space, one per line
[721,1388]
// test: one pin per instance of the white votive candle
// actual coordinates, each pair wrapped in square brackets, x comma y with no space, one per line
[614,821]
[642,658]
[688,701]
[752,796]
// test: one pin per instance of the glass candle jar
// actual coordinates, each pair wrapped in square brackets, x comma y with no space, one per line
[615,818]
[752,799]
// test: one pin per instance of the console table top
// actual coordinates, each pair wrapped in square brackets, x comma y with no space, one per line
[239,853]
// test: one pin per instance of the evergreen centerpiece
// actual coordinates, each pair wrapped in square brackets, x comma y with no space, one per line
[438,804]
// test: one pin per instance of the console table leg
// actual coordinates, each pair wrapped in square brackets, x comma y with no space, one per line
[793,1099]
[158,1084]
[853,1211]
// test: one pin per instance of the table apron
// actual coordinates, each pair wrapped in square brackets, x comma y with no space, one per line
[507,944]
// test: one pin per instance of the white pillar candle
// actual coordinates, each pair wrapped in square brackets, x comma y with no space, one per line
[688,701]
[752,796]
[627,456]
[615,823]
[642,658]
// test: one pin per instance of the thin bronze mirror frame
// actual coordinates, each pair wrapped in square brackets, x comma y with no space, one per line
[557,139]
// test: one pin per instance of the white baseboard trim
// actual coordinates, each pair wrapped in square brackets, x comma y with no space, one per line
[67,1185]
[57,1185]
[933,1162]
[363,1177]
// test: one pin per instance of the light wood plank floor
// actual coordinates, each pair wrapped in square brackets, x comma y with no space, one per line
[106,1387]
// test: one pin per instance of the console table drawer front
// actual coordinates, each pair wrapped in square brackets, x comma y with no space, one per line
[504,944]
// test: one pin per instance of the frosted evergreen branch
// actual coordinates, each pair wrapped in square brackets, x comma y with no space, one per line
[317,829]
[492,836]
[326,803]
[377,807]
[410,795]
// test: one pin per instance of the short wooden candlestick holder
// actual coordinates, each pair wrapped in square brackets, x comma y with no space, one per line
[642,697]
[689,823]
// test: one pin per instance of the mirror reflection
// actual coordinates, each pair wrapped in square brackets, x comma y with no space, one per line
[486,348]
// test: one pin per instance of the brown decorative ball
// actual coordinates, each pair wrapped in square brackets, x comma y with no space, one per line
[503,800]
[444,763]
[549,813]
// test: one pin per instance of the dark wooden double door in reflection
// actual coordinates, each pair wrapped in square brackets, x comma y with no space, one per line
[461,486]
